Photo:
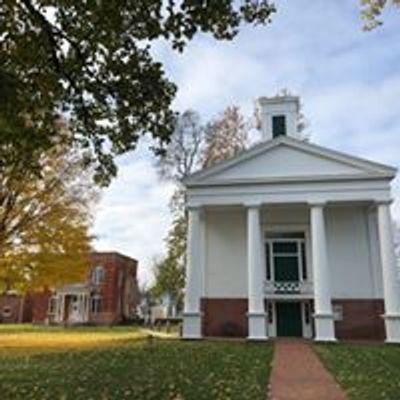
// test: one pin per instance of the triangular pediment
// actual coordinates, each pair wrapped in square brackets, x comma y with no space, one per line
[289,159]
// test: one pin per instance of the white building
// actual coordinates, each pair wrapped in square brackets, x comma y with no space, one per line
[291,239]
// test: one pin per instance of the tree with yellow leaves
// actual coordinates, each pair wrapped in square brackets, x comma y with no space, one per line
[44,221]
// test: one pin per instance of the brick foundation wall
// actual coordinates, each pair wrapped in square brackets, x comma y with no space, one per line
[361,320]
[225,317]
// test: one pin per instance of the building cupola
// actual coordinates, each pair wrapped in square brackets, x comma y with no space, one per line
[278,116]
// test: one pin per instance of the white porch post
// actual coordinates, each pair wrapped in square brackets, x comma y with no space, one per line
[391,285]
[256,310]
[194,276]
[324,325]
[82,307]
[62,308]
[87,306]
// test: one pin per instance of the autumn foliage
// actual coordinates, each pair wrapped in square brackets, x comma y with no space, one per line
[44,221]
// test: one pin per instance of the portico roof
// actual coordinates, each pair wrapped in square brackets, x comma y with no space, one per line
[75,288]
[287,159]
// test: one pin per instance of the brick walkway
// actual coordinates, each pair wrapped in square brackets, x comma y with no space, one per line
[297,374]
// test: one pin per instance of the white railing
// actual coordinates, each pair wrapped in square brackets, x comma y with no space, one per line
[288,287]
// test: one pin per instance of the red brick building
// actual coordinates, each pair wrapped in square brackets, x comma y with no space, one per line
[109,295]
[15,309]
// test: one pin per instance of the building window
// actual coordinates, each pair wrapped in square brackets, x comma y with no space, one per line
[278,126]
[6,312]
[303,261]
[268,261]
[95,305]
[286,258]
[53,305]
[98,275]
[337,312]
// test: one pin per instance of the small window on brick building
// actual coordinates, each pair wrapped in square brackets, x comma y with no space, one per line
[52,305]
[95,305]
[6,312]
[98,275]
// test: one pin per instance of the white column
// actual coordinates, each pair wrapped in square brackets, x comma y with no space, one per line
[391,285]
[82,307]
[85,308]
[88,307]
[324,323]
[62,308]
[256,310]
[194,276]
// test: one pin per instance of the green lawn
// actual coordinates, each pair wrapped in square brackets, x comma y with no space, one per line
[366,372]
[127,365]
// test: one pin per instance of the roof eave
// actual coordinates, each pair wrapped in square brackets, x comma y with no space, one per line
[293,179]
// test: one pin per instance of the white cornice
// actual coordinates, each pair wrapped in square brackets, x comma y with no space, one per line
[286,179]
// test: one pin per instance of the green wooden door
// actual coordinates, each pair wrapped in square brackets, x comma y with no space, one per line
[289,322]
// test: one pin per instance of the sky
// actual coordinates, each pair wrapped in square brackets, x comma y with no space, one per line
[348,81]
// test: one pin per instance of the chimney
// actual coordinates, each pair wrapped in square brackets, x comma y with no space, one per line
[278,116]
